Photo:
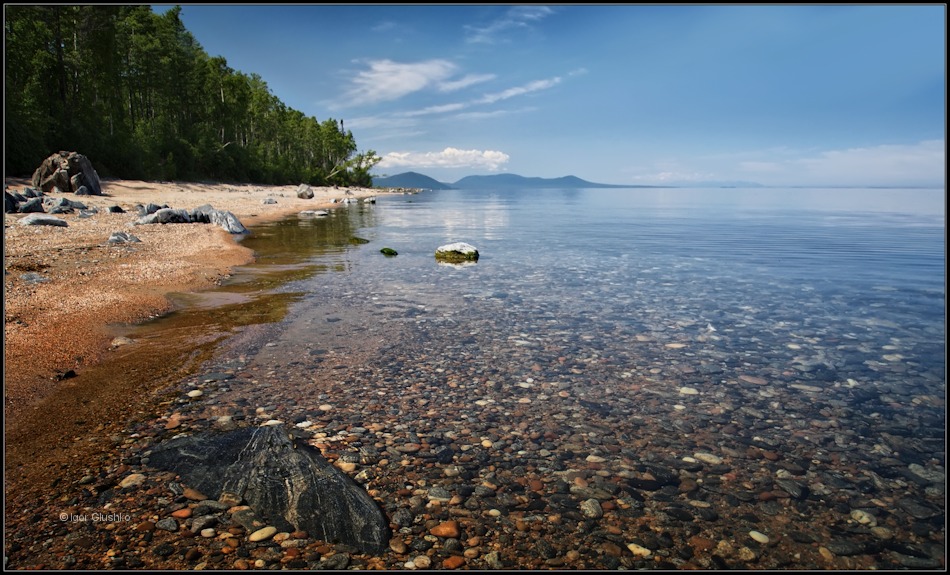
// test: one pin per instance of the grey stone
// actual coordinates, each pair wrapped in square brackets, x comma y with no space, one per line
[304,192]
[31,206]
[287,483]
[42,220]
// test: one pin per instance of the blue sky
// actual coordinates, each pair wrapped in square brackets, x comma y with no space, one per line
[623,94]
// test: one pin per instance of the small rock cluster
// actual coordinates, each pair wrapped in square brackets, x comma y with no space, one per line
[206,214]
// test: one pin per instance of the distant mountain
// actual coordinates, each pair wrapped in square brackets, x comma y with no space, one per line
[417,180]
[410,180]
[516,181]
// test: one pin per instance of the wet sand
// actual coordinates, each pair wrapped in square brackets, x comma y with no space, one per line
[61,398]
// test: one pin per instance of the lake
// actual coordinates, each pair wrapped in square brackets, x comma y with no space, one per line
[713,378]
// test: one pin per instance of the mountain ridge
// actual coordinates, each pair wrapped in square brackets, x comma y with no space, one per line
[417,180]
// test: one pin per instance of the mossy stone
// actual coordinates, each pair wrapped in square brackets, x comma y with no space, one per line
[388,252]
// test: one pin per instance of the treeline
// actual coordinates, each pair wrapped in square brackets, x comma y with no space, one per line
[135,93]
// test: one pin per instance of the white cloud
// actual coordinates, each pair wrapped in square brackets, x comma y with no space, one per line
[520,90]
[448,158]
[516,18]
[465,82]
[387,80]
[921,164]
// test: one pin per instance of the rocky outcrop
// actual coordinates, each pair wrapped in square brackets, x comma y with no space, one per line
[287,483]
[67,172]
[457,252]
[153,214]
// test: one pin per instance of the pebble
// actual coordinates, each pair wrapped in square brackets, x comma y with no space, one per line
[132,480]
[167,524]
[760,537]
[604,430]
[591,509]
[863,517]
[262,534]
[446,529]
[421,562]
[639,550]
[195,393]
[708,458]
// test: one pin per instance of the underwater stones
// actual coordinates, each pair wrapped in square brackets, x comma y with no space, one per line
[456,252]
[389,252]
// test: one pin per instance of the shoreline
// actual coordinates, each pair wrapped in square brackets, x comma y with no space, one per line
[69,388]
[61,322]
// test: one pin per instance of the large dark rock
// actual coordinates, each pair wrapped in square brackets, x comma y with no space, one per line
[288,483]
[207,214]
[67,172]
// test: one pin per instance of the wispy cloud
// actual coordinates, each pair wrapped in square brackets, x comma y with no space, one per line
[465,82]
[535,86]
[491,160]
[921,164]
[384,26]
[386,80]
[516,18]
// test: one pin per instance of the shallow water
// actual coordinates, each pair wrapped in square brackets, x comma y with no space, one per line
[640,327]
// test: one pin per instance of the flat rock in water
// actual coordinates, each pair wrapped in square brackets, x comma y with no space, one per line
[289,484]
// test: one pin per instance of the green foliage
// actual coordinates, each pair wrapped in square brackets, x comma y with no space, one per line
[136,93]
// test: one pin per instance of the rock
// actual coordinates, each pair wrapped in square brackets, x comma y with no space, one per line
[123,238]
[639,550]
[289,484]
[31,206]
[708,458]
[263,534]
[304,192]
[228,221]
[446,529]
[166,216]
[453,562]
[115,210]
[67,171]
[759,536]
[388,252]
[167,524]
[457,252]
[133,480]
[268,201]
[314,213]
[591,509]
[42,220]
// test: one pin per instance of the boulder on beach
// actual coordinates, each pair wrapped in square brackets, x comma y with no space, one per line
[304,192]
[67,172]
[42,220]
[457,252]
[287,483]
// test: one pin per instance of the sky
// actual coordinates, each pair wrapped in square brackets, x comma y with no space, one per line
[781,95]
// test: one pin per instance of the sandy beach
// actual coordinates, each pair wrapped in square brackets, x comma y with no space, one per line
[59,324]
[59,327]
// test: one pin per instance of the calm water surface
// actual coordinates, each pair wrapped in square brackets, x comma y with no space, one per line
[613,335]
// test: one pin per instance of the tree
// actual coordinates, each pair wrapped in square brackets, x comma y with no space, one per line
[135,92]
